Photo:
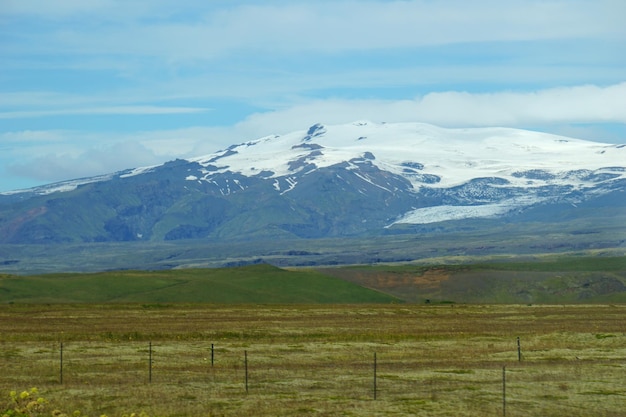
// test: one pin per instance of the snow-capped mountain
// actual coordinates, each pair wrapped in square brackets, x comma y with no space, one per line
[356,179]
[447,157]
[485,171]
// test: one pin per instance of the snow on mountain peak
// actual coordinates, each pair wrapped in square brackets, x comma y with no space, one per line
[454,156]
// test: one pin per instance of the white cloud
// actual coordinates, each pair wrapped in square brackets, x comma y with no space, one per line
[107,10]
[73,162]
[206,31]
[30,137]
[53,9]
[579,104]
[202,50]
[117,110]
[56,155]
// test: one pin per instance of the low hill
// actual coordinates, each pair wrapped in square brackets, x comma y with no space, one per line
[249,284]
[546,279]
[542,280]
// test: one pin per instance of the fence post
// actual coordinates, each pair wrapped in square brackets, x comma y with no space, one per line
[150,361]
[245,361]
[375,365]
[519,350]
[61,364]
[212,355]
[504,391]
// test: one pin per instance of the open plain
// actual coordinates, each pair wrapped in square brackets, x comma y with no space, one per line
[317,360]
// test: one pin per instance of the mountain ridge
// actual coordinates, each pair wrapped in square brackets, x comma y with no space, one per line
[358,179]
[417,133]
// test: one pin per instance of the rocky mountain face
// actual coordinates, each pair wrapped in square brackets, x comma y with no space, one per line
[354,180]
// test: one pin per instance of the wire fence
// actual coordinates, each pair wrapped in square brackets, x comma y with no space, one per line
[503,387]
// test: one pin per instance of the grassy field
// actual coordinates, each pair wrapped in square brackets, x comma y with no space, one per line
[317,360]
[546,279]
[250,284]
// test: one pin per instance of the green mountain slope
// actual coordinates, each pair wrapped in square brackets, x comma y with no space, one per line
[250,284]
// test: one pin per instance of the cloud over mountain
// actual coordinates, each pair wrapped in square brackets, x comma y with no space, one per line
[158,73]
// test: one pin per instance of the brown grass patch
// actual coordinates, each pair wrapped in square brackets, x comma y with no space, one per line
[436,360]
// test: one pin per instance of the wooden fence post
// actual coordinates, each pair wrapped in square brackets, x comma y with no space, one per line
[504,391]
[61,365]
[375,386]
[245,361]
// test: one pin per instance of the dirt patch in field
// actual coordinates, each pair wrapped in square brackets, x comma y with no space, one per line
[441,284]
[431,279]
[406,286]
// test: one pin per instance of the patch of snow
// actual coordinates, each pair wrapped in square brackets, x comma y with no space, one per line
[443,213]
[292,184]
[138,171]
[239,184]
[364,178]
[63,186]
[446,212]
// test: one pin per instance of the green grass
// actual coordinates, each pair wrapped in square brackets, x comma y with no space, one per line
[250,284]
[435,360]
[546,279]
[559,263]
[544,263]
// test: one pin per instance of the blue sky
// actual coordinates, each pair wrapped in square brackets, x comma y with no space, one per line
[94,86]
